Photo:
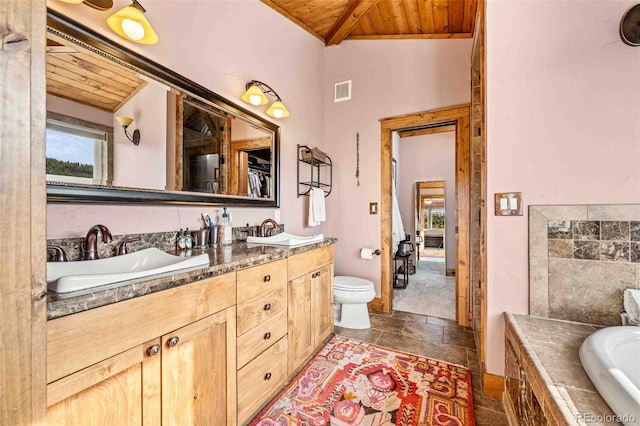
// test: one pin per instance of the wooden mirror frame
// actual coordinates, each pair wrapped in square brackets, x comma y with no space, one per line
[61,193]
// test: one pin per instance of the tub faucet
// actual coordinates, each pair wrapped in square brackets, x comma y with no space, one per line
[91,241]
[264,229]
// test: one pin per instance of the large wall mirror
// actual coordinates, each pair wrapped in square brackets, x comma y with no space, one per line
[194,146]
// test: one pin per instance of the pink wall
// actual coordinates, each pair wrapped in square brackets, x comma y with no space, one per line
[224,45]
[74,109]
[563,127]
[429,157]
[389,77]
[142,166]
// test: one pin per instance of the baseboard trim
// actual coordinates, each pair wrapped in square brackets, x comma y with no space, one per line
[451,272]
[493,386]
[377,305]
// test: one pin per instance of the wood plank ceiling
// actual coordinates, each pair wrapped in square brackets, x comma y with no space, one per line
[88,78]
[333,21]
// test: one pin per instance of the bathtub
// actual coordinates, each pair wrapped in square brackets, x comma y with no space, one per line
[611,358]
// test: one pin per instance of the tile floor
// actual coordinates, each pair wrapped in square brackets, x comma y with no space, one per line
[434,338]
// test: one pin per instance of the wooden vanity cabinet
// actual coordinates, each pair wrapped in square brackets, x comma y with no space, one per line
[261,334]
[310,301]
[166,358]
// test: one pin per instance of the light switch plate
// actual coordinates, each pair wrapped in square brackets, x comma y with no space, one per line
[373,208]
[508,203]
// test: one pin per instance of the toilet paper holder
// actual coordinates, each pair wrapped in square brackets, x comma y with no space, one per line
[376,252]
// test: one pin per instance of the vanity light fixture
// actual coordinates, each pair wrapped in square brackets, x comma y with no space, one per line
[126,122]
[256,94]
[131,24]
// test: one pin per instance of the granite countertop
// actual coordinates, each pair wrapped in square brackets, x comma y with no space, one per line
[222,260]
[550,348]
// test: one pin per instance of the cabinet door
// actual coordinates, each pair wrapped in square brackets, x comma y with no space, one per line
[199,372]
[121,390]
[299,319]
[322,304]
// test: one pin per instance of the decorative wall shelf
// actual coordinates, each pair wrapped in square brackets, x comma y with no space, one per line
[315,170]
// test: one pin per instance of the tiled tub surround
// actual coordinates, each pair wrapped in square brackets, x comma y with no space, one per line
[545,381]
[222,260]
[581,258]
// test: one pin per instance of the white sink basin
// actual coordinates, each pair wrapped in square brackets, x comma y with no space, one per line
[65,277]
[286,239]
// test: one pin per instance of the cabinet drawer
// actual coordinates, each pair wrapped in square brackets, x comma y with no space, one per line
[261,337]
[303,263]
[258,280]
[261,378]
[265,306]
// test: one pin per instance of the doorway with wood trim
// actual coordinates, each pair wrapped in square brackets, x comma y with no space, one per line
[457,116]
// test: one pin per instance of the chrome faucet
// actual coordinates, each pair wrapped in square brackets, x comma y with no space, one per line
[264,230]
[91,241]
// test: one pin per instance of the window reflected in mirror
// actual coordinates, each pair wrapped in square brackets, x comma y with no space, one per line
[77,151]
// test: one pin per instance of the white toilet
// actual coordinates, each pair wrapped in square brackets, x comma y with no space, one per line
[350,298]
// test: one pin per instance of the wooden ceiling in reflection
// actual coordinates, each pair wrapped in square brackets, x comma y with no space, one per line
[333,21]
[88,78]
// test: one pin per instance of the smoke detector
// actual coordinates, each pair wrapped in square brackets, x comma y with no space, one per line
[342,91]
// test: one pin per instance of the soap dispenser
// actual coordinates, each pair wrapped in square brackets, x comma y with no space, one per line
[226,230]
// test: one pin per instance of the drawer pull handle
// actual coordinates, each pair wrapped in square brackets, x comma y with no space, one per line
[267,376]
[153,350]
[173,341]
[267,307]
[267,278]
[267,336]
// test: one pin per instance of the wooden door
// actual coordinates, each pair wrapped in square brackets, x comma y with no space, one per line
[199,372]
[322,304]
[299,321]
[121,390]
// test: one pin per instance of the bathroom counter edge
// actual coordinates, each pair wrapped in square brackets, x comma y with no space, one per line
[222,260]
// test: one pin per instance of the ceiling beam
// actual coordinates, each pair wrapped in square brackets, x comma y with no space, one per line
[411,36]
[428,131]
[349,18]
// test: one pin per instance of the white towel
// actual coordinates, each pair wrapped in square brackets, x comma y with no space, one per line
[317,211]
[631,303]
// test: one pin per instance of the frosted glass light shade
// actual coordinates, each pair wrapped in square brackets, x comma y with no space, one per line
[255,96]
[124,121]
[131,24]
[277,110]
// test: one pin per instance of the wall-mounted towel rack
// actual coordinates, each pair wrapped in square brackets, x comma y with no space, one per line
[314,170]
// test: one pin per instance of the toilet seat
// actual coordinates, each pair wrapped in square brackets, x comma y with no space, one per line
[344,283]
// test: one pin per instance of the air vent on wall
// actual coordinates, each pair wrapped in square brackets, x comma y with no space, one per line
[342,91]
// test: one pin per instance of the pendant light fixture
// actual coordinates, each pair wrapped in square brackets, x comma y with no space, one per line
[131,24]
[256,94]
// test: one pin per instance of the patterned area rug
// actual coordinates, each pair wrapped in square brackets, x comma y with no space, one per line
[350,382]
